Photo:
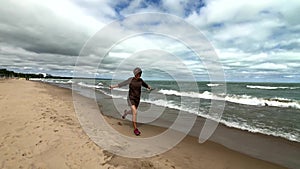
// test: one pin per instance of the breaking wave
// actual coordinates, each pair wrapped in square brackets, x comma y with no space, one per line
[239,99]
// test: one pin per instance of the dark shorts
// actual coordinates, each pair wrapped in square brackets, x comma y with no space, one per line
[135,102]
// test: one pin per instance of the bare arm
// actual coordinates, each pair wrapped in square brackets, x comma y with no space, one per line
[149,88]
[113,86]
[126,82]
[146,85]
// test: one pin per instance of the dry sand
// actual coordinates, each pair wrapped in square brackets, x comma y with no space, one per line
[39,129]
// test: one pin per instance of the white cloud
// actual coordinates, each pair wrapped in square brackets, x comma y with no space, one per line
[119,55]
[289,76]
[257,31]
[136,6]
[174,7]
[241,21]
[256,57]
[231,54]
[21,59]
[47,11]
[294,65]
[269,66]
[152,52]
[100,9]
[231,11]
[46,26]
[251,37]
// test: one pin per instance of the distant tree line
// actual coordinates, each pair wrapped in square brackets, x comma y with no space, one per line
[4,73]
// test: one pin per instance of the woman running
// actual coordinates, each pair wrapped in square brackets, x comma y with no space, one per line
[134,94]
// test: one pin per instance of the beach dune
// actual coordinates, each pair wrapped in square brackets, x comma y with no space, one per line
[39,129]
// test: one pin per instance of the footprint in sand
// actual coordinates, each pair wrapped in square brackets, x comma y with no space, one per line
[39,142]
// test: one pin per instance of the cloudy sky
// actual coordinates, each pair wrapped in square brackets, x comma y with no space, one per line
[254,40]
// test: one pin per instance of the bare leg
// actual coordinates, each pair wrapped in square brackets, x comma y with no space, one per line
[125,113]
[134,112]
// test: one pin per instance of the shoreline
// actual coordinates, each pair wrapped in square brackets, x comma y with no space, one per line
[256,145]
[270,148]
[59,141]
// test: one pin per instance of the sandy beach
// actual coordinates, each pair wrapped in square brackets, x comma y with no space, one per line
[39,129]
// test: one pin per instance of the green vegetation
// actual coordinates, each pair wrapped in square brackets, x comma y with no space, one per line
[4,73]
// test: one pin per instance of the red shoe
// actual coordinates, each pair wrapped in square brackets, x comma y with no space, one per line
[136,132]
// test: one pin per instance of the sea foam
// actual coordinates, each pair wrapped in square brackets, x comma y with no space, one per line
[239,99]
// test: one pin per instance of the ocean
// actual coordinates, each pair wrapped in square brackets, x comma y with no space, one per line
[265,108]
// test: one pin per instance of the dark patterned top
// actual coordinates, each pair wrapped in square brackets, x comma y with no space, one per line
[135,85]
